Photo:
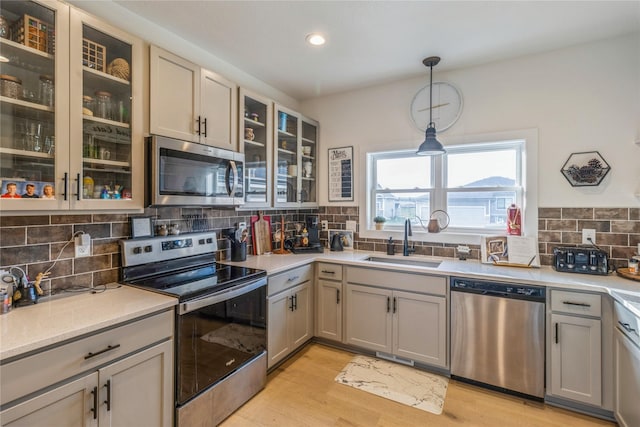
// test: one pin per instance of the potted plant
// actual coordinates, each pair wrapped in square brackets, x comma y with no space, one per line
[379,221]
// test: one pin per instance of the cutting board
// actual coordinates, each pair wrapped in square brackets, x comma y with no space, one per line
[261,232]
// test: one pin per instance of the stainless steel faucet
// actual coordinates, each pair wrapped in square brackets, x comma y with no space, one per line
[406,250]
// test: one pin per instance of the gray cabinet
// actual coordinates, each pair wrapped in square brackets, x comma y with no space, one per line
[289,312]
[329,297]
[576,347]
[191,103]
[123,376]
[627,367]
[408,321]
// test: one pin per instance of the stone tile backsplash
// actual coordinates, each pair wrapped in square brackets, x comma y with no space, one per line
[33,242]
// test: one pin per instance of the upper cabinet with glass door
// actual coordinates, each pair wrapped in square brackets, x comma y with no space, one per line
[60,147]
[295,160]
[34,87]
[255,130]
[106,115]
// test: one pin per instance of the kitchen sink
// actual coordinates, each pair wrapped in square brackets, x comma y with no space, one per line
[406,261]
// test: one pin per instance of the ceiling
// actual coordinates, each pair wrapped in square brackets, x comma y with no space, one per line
[373,42]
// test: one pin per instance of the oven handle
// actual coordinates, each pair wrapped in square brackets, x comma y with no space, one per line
[225,295]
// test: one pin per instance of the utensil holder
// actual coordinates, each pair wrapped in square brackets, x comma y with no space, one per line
[238,251]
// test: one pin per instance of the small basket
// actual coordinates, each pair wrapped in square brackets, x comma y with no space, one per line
[34,33]
[94,55]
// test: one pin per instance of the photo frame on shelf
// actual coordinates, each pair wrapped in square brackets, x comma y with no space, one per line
[141,226]
[340,174]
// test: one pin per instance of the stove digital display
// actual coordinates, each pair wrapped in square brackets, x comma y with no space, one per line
[177,244]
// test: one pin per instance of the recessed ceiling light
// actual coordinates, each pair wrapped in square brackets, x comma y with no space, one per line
[315,39]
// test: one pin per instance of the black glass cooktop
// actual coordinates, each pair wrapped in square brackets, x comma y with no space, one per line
[192,282]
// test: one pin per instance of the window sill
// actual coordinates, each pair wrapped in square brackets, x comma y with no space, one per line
[450,237]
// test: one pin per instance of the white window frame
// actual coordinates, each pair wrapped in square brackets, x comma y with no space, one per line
[527,198]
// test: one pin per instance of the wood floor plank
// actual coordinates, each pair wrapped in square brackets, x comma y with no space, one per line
[302,392]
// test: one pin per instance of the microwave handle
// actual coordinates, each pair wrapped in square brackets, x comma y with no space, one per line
[231,190]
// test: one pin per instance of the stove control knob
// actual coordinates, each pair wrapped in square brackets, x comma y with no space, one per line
[148,248]
[137,250]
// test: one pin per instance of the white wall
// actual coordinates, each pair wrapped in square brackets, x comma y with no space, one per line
[584,98]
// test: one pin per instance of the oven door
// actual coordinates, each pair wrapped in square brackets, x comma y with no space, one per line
[217,335]
[187,173]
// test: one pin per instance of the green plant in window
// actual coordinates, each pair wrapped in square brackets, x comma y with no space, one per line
[379,220]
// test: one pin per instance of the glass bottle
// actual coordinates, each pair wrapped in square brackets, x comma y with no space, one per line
[87,105]
[46,90]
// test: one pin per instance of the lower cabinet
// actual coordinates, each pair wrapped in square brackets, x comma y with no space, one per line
[627,367]
[404,324]
[329,297]
[576,347]
[132,391]
[290,313]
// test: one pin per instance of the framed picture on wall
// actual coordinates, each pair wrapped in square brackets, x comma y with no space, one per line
[340,174]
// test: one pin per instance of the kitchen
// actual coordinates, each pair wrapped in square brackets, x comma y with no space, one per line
[345,120]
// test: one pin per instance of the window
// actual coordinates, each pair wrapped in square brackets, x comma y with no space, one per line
[473,183]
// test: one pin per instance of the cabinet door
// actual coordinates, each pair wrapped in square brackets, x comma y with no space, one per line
[329,312]
[256,132]
[576,369]
[138,390]
[69,405]
[174,94]
[627,376]
[286,157]
[420,328]
[34,107]
[278,344]
[106,109]
[309,163]
[368,317]
[301,318]
[218,111]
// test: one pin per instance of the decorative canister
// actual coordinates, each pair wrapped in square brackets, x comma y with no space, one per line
[104,107]
[255,117]
[10,86]
[248,134]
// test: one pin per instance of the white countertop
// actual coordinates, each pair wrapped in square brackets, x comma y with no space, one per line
[624,290]
[29,328]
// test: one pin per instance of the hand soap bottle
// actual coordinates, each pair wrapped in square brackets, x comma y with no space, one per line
[391,248]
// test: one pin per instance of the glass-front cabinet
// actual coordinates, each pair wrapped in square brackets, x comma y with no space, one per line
[70,134]
[295,140]
[257,135]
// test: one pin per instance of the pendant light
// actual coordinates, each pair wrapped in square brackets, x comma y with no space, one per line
[431,146]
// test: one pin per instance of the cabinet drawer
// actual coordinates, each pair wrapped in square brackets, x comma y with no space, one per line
[329,271]
[282,281]
[32,373]
[575,303]
[422,283]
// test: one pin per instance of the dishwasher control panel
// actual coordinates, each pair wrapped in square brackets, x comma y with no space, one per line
[508,290]
[587,260]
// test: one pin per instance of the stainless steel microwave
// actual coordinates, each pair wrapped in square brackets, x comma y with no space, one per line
[182,173]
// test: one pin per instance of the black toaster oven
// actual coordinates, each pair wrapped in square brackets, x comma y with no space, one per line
[588,260]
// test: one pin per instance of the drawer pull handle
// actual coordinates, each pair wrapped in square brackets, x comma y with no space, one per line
[109,348]
[627,327]
[580,304]
[328,272]
[108,401]
[293,279]
[94,409]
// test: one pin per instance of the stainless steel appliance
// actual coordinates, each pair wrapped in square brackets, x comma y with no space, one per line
[589,260]
[183,173]
[627,362]
[497,335]
[220,322]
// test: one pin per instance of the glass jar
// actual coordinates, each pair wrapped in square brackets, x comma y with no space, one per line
[46,94]
[87,105]
[10,86]
[104,107]
[4,27]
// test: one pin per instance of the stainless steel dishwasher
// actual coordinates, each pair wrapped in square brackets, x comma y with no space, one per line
[497,335]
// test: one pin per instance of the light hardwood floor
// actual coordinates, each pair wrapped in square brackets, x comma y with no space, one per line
[302,392]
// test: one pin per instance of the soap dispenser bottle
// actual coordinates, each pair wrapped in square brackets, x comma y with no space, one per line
[391,248]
